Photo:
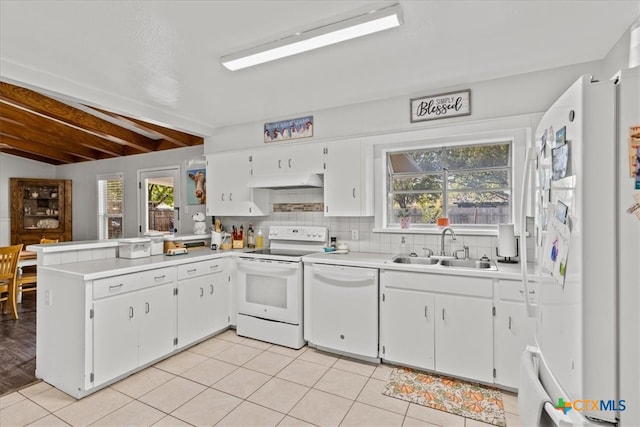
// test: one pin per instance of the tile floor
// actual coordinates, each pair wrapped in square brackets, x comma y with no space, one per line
[233,381]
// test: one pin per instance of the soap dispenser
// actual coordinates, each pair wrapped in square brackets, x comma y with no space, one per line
[404,249]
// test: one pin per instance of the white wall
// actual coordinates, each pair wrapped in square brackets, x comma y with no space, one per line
[85,202]
[510,96]
[16,167]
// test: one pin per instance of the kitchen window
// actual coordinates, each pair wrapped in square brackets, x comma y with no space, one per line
[110,206]
[469,184]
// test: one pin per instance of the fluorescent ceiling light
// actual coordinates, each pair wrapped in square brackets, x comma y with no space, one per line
[351,28]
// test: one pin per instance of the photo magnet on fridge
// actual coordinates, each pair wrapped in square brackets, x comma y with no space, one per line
[559,161]
[561,135]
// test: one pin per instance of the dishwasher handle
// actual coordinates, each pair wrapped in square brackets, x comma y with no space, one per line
[341,277]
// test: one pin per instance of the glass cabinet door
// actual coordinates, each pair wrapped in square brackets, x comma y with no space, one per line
[41,205]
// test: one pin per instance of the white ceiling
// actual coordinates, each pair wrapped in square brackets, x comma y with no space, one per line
[159,60]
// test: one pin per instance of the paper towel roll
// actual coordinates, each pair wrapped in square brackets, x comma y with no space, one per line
[506,240]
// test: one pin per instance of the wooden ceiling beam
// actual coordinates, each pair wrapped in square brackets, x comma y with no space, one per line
[166,137]
[71,134]
[56,156]
[19,131]
[76,117]
[28,155]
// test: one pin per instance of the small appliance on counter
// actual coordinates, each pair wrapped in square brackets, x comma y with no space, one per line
[157,242]
[134,248]
[191,242]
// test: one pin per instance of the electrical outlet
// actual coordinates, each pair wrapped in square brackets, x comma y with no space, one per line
[354,235]
[47,297]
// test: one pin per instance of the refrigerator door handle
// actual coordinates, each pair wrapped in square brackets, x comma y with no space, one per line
[531,153]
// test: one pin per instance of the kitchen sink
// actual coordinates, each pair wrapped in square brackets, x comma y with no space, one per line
[449,262]
[468,263]
[414,260]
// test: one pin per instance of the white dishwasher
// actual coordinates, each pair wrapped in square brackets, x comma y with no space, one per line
[341,309]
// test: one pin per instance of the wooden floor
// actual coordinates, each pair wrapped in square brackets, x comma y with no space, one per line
[18,346]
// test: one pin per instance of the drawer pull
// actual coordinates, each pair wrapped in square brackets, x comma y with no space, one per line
[213,267]
[443,314]
[201,292]
[530,292]
[193,270]
[130,312]
[426,311]
[509,322]
[146,307]
[159,277]
[211,289]
[114,287]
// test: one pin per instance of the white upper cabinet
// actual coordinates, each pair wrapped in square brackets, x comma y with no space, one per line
[348,179]
[227,190]
[292,159]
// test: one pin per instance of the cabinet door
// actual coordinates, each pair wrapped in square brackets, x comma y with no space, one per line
[299,159]
[115,336]
[348,179]
[218,294]
[305,159]
[513,330]
[195,319]
[227,191]
[157,322]
[464,337]
[407,327]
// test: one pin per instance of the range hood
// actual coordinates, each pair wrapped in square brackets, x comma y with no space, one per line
[279,182]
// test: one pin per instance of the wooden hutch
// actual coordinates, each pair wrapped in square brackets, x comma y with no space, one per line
[40,208]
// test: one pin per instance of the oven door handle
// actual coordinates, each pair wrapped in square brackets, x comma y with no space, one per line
[272,269]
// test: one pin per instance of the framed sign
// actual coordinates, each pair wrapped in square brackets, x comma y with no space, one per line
[283,130]
[441,106]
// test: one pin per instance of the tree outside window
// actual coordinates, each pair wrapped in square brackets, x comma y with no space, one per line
[468,184]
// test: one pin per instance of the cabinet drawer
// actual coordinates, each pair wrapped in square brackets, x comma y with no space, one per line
[513,290]
[195,269]
[116,285]
[440,283]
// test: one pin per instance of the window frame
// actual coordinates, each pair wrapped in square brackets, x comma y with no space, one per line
[102,216]
[445,171]
[517,129]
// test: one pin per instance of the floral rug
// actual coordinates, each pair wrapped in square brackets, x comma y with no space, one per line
[447,394]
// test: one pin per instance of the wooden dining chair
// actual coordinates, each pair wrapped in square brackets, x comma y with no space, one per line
[28,281]
[8,282]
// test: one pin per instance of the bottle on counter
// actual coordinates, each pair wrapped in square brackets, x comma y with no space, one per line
[259,240]
[251,238]
[404,248]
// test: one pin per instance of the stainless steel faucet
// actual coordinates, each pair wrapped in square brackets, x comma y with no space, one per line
[453,237]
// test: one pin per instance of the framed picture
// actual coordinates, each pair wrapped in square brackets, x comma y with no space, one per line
[196,186]
[441,106]
[284,130]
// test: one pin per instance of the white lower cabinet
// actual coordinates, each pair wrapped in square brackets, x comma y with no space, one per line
[438,322]
[203,299]
[513,330]
[407,327]
[464,329]
[134,322]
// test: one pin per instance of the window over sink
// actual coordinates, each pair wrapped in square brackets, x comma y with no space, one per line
[470,184]
[110,206]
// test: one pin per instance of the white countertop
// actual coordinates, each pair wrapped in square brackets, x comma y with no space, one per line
[98,269]
[376,260]
[95,269]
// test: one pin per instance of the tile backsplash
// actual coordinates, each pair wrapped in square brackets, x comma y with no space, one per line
[300,207]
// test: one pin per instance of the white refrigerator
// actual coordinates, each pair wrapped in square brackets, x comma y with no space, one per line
[584,253]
